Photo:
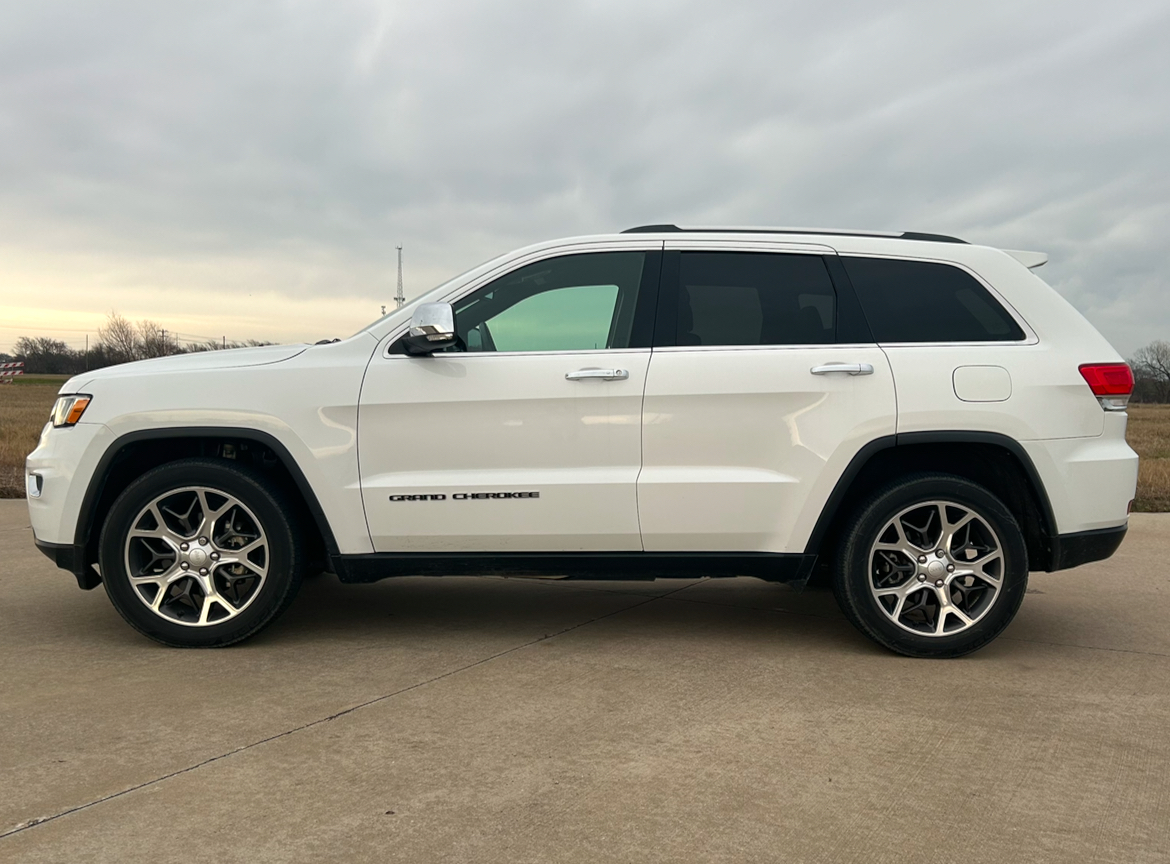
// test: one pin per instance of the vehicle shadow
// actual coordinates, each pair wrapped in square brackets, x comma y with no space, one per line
[409,608]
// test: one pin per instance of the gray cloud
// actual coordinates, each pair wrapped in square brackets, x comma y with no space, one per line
[292,144]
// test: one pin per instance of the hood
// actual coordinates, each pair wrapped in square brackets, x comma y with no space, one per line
[233,358]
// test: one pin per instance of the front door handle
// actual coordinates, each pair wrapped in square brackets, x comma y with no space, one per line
[601,374]
[847,368]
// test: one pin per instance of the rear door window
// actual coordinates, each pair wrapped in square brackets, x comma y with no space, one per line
[749,298]
[923,301]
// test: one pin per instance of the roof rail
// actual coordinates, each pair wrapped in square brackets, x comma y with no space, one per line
[905,235]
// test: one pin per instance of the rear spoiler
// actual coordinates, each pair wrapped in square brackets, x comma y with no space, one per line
[1031,260]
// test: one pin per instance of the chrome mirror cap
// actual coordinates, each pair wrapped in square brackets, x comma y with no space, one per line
[432,327]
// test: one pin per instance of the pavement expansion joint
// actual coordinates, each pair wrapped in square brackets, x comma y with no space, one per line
[41,820]
[1084,647]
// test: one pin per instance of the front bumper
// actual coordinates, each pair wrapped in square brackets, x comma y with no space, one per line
[64,460]
[71,558]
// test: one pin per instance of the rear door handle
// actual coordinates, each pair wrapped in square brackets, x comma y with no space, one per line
[601,374]
[847,368]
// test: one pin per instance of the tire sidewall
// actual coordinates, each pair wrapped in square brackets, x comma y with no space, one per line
[240,482]
[852,576]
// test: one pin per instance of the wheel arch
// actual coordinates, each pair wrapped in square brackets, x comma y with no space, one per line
[131,454]
[990,459]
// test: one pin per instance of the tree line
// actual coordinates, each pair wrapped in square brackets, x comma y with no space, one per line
[1151,372]
[118,341]
[121,341]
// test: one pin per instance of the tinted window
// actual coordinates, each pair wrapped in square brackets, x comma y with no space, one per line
[572,303]
[749,298]
[920,301]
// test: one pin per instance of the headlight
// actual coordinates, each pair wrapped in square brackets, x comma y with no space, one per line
[67,410]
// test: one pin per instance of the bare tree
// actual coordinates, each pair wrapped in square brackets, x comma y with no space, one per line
[216,345]
[44,355]
[120,339]
[152,339]
[1151,369]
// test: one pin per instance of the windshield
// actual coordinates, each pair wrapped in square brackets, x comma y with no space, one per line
[437,291]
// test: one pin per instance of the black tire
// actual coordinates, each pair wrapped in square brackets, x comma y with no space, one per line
[871,521]
[283,552]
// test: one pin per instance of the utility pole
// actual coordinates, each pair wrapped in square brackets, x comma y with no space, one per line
[86,352]
[399,298]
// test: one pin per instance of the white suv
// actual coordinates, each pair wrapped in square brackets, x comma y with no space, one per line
[924,419]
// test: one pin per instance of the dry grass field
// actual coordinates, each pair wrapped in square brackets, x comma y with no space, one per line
[24,408]
[1149,434]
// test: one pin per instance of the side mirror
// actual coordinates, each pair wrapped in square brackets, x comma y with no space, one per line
[432,328]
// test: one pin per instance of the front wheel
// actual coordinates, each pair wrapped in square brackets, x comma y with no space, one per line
[200,553]
[932,565]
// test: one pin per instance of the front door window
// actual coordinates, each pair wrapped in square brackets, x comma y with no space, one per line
[571,303]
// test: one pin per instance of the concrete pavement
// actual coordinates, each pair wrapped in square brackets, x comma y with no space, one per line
[518,720]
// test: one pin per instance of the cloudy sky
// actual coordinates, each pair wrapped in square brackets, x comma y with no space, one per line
[245,169]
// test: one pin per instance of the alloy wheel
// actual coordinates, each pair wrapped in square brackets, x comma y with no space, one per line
[936,568]
[196,556]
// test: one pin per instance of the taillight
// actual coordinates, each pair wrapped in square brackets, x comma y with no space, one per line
[1111,383]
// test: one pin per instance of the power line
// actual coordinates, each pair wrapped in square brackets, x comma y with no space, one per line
[175,334]
[11,346]
[49,329]
[171,337]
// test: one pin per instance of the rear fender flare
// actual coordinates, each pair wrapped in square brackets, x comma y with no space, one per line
[839,497]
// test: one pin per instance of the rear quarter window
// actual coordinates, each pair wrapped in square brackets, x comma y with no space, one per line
[923,301]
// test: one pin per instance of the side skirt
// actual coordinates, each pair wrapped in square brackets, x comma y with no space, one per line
[794,569]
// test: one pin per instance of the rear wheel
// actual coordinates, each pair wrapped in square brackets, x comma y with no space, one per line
[200,553]
[932,566]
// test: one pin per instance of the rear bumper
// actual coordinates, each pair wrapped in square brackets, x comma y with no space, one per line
[1090,482]
[1073,550]
[71,558]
